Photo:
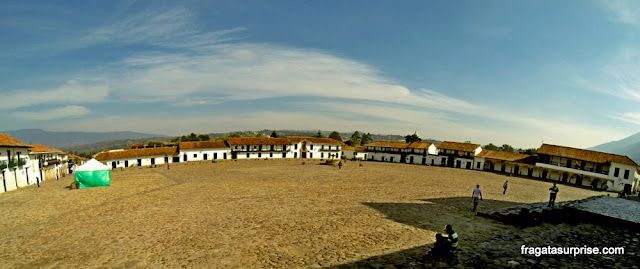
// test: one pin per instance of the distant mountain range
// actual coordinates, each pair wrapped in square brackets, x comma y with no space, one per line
[68,139]
[629,146]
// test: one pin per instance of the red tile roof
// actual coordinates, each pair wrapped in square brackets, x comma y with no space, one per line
[36,148]
[507,156]
[298,139]
[76,157]
[134,153]
[458,146]
[584,155]
[419,145]
[387,144]
[138,145]
[203,144]
[8,141]
[356,148]
[258,141]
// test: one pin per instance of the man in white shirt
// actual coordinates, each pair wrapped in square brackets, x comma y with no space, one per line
[477,196]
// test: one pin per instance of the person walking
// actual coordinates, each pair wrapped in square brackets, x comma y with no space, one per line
[553,192]
[477,196]
[504,186]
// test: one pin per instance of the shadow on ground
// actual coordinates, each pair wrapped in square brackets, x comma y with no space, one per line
[433,215]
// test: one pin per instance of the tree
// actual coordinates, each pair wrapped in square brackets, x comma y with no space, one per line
[235,135]
[154,144]
[506,147]
[491,146]
[366,139]
[204,137]
[335,135]
[355,139]
[412,138]
[274,134]
[530,151]
[353,142]
[318,135]
[259,135]
[356,135]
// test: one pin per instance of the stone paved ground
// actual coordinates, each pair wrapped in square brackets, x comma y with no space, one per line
[626,209]
[282,214]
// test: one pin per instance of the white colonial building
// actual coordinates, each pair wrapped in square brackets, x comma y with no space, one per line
[14,164]
[125,158]
[420,153]
[48,163]
[204,150]
[511,163]
[588,168]
[354,153]
[384,151]
[259,148]
[459,155]
[315,148]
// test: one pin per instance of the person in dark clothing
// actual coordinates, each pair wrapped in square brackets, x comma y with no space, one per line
[553,192]
[452,239]
[440,247]
[506,183]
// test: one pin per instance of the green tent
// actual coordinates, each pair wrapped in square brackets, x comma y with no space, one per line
[92,174]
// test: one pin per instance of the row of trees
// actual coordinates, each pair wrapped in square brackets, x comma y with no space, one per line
[359,139]
[509,148]
[191,137]
[356,138]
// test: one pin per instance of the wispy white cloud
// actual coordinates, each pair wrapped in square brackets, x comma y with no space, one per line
[160,27]
[205,68]
[625,11]
[54,113]
[505,126]
[174,27]
[72,92]
[625,71]
[245,71]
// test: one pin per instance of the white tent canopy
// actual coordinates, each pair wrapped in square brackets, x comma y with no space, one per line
[92,165]
[93,174]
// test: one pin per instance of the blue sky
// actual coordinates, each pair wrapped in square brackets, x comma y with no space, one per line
[515,72]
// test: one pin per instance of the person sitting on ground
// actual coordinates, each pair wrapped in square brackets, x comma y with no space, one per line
[452,239]
[440,247]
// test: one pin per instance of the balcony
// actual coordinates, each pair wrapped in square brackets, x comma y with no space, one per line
[603,174]
[13,163]
[575,168]
[259,150]
[329,150]
[51,162]
[386,150]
